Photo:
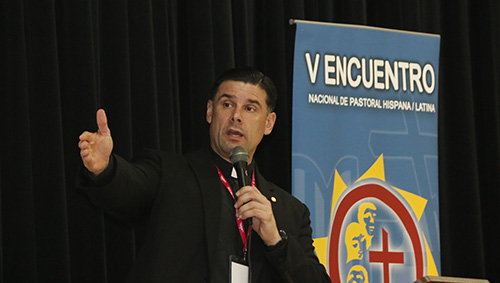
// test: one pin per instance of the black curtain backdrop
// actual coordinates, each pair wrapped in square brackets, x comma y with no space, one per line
[150,65]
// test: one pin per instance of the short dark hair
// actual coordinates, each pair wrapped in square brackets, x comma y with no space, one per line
[252,76]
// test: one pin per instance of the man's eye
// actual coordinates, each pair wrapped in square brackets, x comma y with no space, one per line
[251,108]
[226,104]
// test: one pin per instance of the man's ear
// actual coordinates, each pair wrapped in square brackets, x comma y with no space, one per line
[209,111]
[270,121]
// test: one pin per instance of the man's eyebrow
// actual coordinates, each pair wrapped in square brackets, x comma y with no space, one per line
[229,96]
[254,101]
[225,95]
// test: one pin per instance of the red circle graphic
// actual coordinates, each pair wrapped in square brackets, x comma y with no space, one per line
[384,195]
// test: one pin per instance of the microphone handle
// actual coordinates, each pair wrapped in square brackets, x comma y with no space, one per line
[243,179]
[241,171]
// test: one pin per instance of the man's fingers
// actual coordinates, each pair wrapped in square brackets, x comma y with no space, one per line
[247,194]
[95,148]
[85,136]
[252,209]
[102,121]
[83,144]
[250,199]
[253,204]
[87,159]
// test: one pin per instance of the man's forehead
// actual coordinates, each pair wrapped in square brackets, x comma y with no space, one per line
[233,89]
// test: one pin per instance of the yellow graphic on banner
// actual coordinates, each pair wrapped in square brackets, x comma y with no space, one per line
[358,235]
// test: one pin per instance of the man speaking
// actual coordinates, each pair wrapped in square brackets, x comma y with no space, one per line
[202,227]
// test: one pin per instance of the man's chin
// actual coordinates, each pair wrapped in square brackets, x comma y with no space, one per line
[233,143]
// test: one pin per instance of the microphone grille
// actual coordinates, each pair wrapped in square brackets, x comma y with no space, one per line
[238,154]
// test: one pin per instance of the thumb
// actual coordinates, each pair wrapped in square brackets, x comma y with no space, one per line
[102,122]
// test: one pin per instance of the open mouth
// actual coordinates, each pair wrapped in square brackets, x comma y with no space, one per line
[234,133]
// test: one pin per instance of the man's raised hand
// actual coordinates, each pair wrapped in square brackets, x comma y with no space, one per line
[96,148]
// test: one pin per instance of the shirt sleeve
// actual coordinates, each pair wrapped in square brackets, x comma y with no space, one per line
[102,179]
[294,258]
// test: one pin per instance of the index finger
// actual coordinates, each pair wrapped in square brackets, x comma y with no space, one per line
[246,190]
[85,136]
[247,194]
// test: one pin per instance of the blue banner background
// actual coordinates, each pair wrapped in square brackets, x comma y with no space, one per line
[349,139]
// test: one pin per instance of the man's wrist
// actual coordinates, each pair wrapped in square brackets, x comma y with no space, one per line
[280,243]
[103,177]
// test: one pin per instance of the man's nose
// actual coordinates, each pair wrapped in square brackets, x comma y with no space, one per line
[236,117]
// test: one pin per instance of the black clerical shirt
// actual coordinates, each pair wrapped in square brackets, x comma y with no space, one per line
[229,242]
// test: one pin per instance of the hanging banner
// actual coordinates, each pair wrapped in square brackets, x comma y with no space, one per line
[364,149]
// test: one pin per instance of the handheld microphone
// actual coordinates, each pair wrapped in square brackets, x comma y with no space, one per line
[239,159]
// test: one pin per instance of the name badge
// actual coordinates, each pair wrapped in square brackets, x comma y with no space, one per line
[238,270]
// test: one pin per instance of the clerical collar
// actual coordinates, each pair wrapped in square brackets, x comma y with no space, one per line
[226,167]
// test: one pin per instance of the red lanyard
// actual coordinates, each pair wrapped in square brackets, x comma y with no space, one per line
[241,228]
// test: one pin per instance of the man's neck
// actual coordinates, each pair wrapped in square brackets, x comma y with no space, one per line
[225,165]
[228,158]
